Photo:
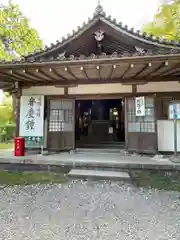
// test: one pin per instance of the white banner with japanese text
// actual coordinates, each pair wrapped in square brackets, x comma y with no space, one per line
[140,106]
[32,116]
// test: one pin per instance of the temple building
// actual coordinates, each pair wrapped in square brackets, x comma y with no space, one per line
[104,85]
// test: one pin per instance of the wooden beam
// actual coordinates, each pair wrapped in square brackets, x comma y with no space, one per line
[134,83]
[117,80]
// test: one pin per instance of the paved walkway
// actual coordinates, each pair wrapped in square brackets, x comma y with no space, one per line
[86,159]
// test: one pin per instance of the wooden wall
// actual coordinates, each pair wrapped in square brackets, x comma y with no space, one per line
[114,88]
[100,89]
[159,87]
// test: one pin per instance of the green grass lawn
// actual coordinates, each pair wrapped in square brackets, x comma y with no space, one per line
[157,179]
[5,146]
[27,178]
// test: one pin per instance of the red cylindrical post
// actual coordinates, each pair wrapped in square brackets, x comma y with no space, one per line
[19,146]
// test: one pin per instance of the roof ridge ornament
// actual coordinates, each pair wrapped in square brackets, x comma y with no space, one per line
[140,50]
[99,10]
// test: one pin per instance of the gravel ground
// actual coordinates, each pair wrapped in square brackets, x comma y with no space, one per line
[88,210]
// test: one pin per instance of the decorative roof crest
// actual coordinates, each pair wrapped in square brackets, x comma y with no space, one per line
[99,9]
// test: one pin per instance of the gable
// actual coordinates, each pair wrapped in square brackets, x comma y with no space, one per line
[116,38]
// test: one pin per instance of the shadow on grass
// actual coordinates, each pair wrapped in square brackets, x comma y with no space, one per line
[27,178]
[164,180]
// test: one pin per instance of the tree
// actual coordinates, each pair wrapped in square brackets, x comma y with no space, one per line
[17,38]
[166,22]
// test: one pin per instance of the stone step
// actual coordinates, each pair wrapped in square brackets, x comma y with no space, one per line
[103,146]
[103,174]
[99,150]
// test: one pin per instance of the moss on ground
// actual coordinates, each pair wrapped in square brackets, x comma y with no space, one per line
[157,179]
[29,178]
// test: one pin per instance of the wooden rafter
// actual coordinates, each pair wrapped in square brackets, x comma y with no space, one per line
[43,73]
[8,88]
[155,70]
[83,69]
[59,75]
[141,71]
[8,77]
[68,70]
[99,72]
[111,72]
[5,84]
[126,71]
[30,73]
[168,72]
[31,77]
[22,77]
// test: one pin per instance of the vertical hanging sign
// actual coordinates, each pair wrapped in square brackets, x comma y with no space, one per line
[174,113]
[140,106]
[32,120]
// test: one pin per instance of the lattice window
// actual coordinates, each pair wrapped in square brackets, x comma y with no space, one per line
[141,124]
[60,116]
[56,126]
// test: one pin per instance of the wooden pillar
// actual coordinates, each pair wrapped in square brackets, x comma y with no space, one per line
[156,113]
[126,122]
[17,111]
[134,88]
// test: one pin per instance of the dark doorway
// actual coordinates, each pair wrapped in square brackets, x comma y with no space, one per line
[99,123]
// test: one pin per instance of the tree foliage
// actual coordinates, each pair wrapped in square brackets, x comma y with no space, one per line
[7,125]
[166,22]
[17,38]
[6,110]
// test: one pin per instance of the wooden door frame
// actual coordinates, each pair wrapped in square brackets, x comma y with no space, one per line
[126,122]
[106,97]
[154,96]
[49,98]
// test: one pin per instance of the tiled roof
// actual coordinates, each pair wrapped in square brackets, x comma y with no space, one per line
[165,46]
